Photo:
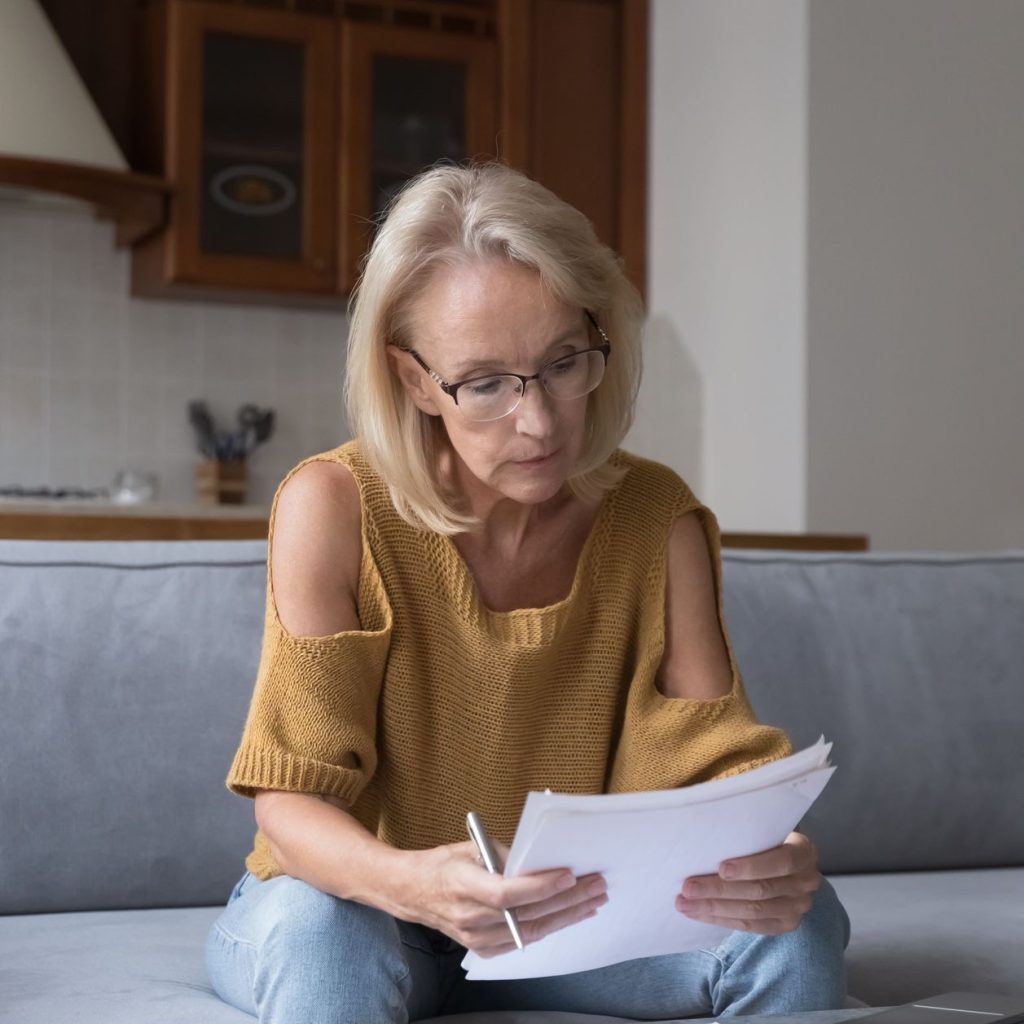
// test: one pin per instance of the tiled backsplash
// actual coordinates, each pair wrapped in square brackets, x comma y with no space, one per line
[93,381]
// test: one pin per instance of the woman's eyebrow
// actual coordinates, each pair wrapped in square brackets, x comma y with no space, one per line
[464,369]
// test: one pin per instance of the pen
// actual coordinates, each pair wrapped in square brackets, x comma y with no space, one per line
[489,856]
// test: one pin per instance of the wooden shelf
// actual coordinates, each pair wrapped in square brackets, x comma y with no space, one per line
[797,541]
[136,203]
[26,520]
[102,521]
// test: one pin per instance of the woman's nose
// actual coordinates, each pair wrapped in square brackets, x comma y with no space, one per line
[535,414]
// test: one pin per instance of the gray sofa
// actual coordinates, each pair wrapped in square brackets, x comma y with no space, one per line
[125,673]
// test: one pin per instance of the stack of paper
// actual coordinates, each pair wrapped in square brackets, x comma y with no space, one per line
[645,845]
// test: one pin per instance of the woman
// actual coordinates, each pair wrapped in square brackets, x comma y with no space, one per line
[479,597]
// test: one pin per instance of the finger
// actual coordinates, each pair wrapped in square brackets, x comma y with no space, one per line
[536,930]
[586,888]
[524,890]
[760,926]
[711,886]
[494,938]
[782,908]
[795,854]
[498,893]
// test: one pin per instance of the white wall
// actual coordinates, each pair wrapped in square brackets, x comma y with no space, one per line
[916,284]
[723,398]
[836,235]
[93,381]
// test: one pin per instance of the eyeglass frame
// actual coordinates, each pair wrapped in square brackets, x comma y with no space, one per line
[452,389]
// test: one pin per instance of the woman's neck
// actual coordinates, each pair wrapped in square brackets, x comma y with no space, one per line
[506,525]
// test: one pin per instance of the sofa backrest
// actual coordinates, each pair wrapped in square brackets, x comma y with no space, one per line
[913,664]
[125,674]
[126,671]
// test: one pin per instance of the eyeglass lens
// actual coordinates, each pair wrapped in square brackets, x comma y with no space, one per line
[490,398]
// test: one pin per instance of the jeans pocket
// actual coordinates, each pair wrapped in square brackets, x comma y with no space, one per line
[230,968]
[415,936]
[239,885]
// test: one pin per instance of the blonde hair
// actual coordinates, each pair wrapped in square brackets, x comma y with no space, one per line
[450,216]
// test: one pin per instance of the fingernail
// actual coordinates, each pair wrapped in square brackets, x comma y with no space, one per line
[692,888]
[565,882]
[727,871]
[597,887]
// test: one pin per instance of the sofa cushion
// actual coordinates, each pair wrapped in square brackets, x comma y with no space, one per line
[129,967]
[917,934]
[126,672]
[914,666]
[913,935]
[110,967]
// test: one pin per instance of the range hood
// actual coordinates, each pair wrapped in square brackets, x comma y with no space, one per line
[53,139]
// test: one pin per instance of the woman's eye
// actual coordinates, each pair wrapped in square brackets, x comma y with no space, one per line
[566,365]
[486,387]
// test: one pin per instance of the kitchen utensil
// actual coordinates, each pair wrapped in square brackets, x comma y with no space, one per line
[202,422]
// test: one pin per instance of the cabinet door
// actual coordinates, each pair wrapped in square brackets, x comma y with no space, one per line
[250,148]
[574,110]
[409,97]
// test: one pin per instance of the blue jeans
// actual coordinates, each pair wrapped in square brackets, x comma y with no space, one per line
[289,954]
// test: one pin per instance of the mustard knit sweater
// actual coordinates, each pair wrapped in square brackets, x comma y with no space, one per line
[439,705]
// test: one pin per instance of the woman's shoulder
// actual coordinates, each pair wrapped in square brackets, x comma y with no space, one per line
[324,478]
[343,471]
[349,455]
[652,486]
[315,547]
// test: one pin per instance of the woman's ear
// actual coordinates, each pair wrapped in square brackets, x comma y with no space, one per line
[417,384]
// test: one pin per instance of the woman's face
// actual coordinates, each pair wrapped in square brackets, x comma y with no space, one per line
[499,318]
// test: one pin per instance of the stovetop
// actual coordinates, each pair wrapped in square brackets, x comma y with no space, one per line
[54,493]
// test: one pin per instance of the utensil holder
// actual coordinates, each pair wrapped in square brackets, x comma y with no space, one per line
[221,483]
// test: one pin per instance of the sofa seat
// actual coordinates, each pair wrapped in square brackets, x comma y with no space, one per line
[920,933]
[146,966]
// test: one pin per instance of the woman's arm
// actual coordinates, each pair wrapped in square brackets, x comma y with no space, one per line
[769,892]
[695,662]
[314,565]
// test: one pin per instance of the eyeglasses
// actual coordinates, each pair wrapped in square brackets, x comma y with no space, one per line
[482,399]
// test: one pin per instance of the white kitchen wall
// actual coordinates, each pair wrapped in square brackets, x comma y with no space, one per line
[93,381]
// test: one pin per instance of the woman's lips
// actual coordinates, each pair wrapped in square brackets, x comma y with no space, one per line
[536,462]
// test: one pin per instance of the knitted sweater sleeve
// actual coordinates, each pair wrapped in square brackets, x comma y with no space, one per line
[667,742]
[312,721]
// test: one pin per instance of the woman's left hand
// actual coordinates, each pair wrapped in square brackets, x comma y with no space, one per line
[767,892]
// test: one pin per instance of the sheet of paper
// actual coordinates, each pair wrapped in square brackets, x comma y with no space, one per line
[645,844]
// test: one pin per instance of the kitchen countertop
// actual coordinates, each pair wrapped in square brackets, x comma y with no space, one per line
[153,509]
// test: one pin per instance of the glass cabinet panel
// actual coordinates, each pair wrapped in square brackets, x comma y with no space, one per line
[418,112]
[252,144]
[408,99]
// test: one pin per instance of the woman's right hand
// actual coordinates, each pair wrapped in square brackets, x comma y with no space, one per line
[449,890]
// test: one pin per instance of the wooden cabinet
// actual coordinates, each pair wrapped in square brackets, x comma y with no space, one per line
[408,99]
[574,110]
[285,133]
[246,103]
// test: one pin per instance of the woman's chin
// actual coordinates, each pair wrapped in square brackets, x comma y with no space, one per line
[542,487]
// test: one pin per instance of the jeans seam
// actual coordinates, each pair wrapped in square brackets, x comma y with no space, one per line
[233,938]
[713,953]
[716,985]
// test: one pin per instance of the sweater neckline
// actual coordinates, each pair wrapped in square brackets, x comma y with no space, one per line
[530,626]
